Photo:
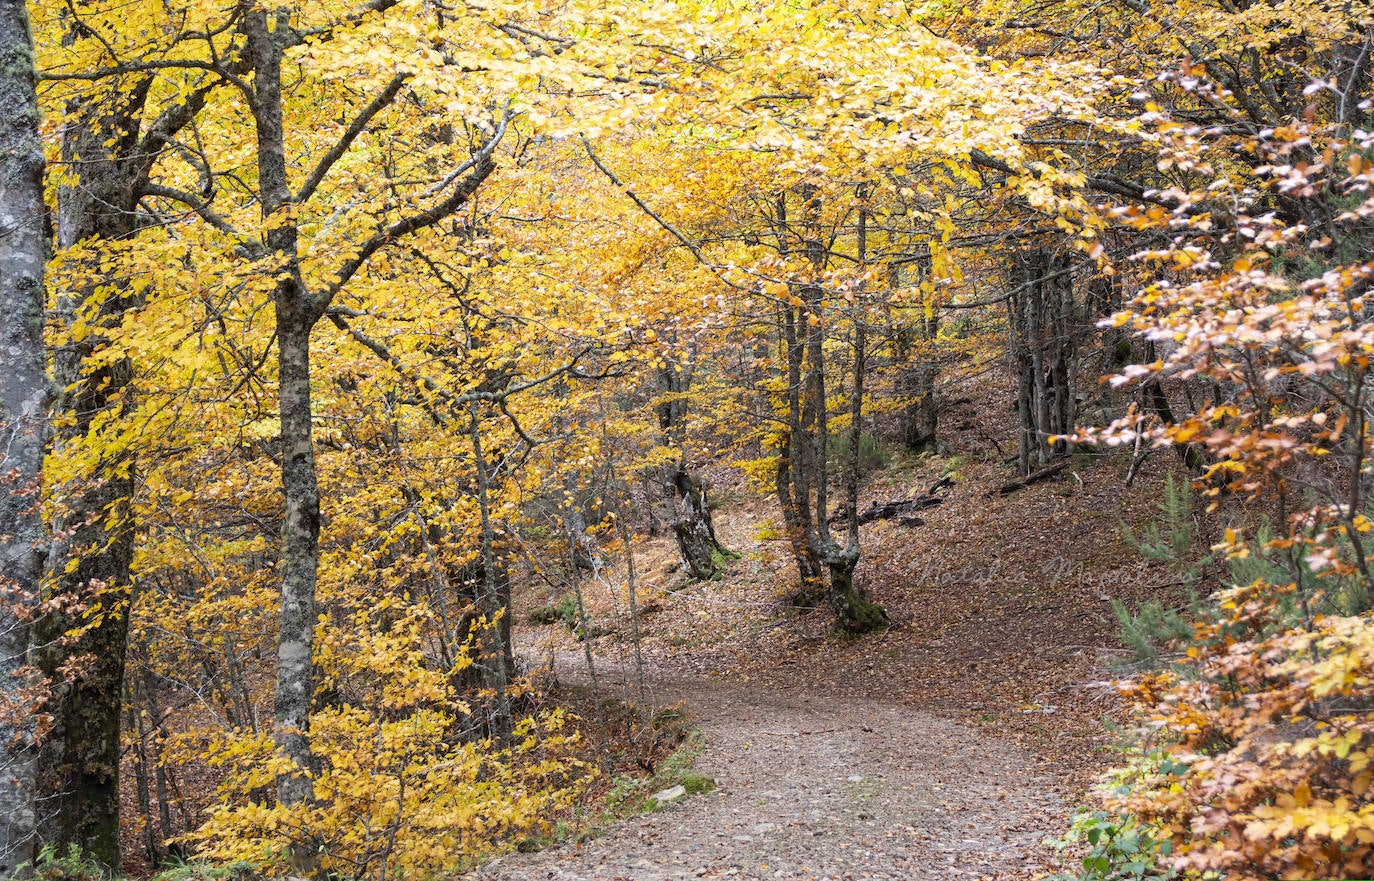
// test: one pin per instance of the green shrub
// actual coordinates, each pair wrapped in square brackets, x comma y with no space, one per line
[563,609]
[202,871]
[76,865]
[1154,630]
[1171,538]
[1119,849]
[873,456]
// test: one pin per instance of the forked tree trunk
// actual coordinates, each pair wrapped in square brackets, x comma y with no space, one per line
[23,421]
[802,480]
[113,146]
[792,481]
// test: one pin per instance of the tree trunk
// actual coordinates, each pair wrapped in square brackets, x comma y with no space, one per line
[93,533]
[1043,330]
[295,319]
[107,139]
[695,533]
[856,614]
[23,420]
[853,609]
[497,660]
[683,493]
[919,418]
[917,369]
[142,789]
[792,482]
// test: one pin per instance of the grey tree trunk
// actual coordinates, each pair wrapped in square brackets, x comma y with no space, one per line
[802,480]
[298,310]
[917,374]
[300,486]
[1043,328]
[24,395]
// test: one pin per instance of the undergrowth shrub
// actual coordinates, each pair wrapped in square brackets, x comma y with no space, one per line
[1171,538]
[1117,849]
[873,456]
[1257,730]
[403,789]
[75,865]
[394,799]
[1270,738]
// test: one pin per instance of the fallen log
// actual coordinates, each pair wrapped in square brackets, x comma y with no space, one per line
[904,510]
[1033,477]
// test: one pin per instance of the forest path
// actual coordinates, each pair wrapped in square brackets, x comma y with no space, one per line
[815,786]
[971,726]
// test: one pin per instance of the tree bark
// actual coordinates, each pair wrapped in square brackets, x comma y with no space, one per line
[24,394]
[1043,330]
[300,484]
[93,536]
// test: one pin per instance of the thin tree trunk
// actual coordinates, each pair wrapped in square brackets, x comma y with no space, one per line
[793,490]
[917,371]
[142,790]
[623,530]
[301,520]
[1042,326]
[161,785]
[23,420]
[497,656]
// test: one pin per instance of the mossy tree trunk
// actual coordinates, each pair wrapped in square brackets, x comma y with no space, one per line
[682,492]
[24,394]
[113,140]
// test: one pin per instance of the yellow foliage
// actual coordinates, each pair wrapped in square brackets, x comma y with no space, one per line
[403,797]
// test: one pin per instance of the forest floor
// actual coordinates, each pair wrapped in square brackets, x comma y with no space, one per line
[952,746]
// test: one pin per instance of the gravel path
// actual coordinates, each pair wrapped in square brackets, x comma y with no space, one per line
[817,787]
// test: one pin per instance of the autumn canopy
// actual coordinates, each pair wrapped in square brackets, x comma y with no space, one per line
[364,318]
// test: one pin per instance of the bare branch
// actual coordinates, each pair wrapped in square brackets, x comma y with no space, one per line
[482,166]
[688,243]
[380,103]
[202,208]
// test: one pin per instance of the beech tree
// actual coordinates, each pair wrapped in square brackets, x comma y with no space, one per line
[24,398]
